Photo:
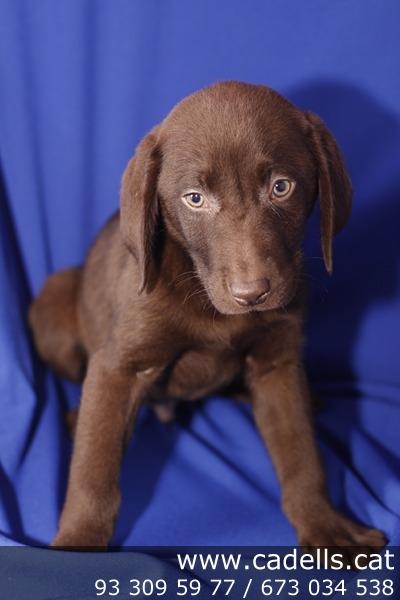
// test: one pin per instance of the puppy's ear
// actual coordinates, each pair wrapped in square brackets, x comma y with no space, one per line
[139,217]
[334,186]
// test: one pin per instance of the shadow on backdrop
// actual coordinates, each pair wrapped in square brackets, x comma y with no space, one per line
[366,267]
[367,252]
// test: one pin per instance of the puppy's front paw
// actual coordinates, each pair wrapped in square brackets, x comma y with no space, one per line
[336,532]
[80,539]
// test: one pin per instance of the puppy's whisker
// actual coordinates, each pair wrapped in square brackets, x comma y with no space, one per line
[186,281]
[184,274]
[314,258]
[196,293]
[192,293]
[183,277]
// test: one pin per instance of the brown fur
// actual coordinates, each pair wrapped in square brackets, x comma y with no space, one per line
[152,313]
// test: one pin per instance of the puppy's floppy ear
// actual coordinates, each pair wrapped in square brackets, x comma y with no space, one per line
[139,219]
[334,186]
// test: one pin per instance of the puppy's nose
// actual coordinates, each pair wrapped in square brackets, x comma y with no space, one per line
[250,293]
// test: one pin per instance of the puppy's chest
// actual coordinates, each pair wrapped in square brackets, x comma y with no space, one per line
[212,359]
[234,333]
[199,372]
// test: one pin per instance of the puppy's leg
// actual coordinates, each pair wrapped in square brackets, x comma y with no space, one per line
[110,397]
[282,409]
[54,323]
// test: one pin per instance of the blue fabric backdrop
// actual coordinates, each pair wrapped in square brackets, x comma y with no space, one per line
[80,83]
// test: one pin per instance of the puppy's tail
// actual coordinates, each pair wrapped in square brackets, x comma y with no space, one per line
[53,319]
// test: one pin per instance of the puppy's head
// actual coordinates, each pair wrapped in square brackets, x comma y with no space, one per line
[234,171]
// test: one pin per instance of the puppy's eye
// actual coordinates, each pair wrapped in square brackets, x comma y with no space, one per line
[282,188]
[194,199]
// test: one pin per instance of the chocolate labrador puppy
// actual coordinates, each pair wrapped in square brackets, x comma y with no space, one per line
[196,284]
